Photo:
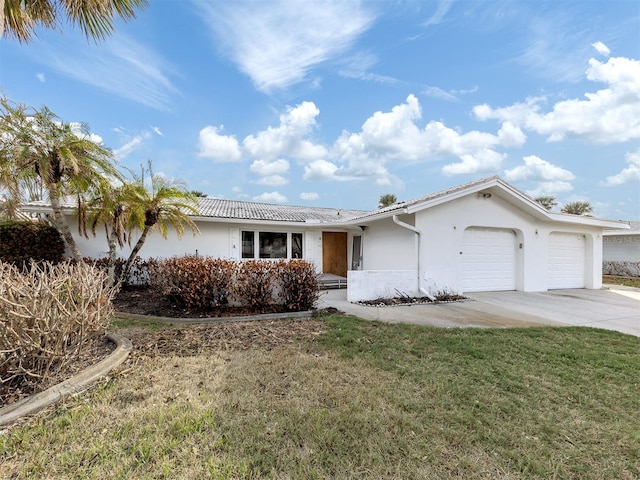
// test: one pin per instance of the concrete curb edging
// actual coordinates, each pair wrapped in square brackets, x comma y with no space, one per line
[34,403]
[193,321]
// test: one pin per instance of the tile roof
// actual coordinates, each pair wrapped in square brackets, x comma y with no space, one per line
[634,229]
[238,210]
[234,209]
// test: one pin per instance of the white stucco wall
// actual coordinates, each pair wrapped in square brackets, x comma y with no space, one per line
[374,284]
[220,240]
[443,228]
[387,246]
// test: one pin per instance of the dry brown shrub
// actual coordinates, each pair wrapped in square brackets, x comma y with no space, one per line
[193,282]
[299,286]
[47,314]
[205,283]
[254,284]
[623,269]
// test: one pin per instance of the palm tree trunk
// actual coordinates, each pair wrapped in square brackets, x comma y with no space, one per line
[61,224]
[111,267]
[134,252]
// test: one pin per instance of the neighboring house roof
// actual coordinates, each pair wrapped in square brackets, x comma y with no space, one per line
[634,229]
[215,209]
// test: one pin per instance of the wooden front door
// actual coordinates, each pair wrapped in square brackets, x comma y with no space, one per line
[334,253]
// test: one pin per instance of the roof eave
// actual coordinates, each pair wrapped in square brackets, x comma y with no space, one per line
[588,221]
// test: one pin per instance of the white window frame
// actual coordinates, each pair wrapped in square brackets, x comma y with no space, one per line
[256,244]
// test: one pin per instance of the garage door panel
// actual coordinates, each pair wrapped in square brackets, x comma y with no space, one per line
[566,265]
[489,260]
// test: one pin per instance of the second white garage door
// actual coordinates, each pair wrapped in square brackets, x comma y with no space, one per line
[566,261]
[489,260]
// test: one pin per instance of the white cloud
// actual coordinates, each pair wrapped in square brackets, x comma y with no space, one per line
[396,136]
[608,115]
[550,189]
[157,131]
[288,138]
[309,196]
[555,45]
[442,8]
[264,168]
[132,142]
[483,161]
[320,170]
[437,92]
[601,48]
[272,180]
[536,169]
[550,179]
[124,67]
[511,135]
[270,197]
[277,43]
[629,174]
[369,77]
[77,129]
[270,173]
[217,147]
[41,77]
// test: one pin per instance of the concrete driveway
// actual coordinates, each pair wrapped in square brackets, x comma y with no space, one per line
[614,309]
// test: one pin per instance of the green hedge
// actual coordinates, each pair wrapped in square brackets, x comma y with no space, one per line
[21,242]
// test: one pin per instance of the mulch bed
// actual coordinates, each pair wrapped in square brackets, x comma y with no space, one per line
[397,301]
[145,301]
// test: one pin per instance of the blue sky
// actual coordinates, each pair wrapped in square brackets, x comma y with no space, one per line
[335,103]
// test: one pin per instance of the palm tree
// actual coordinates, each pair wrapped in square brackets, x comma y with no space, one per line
[19,18]
[110,209]
[165,203]
[387,200]
[547,202]
[578,208]
[38,145]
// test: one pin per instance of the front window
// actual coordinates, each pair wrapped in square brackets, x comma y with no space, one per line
[257,244]
[248,248]
[296,245]
[273,245]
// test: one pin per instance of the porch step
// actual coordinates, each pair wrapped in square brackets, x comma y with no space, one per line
[330,281]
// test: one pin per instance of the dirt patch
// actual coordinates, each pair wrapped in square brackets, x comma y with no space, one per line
[219,336]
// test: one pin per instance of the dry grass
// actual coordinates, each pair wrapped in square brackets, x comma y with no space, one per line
[620,280]
[363,400]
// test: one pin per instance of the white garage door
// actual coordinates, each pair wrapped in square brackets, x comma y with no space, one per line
[566,260]
[488,260]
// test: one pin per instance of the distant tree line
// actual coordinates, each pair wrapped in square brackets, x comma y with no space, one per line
[575,208]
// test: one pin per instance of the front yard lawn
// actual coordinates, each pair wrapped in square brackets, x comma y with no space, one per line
[359,400]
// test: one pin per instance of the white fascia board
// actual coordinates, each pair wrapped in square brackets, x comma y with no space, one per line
[248,221]
[370,218]
[615,233]
[589,221]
